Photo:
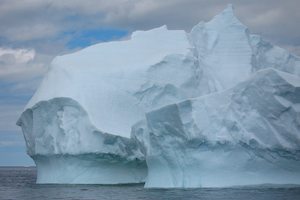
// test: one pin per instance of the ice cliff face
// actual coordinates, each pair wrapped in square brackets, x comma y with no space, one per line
[67,148]
[248,134]
[214,107]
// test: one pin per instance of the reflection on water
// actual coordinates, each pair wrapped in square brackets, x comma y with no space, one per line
[19,183]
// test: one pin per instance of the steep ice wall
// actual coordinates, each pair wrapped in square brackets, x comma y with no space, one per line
[249,134]
[67,148]
[223,48]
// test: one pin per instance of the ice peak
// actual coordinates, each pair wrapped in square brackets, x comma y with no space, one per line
[228,12]
[226,17]
[229,9]
[222,20]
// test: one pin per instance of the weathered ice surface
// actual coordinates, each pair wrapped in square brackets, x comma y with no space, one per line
[67,148]
[110,113]
[249,134]
[227,53]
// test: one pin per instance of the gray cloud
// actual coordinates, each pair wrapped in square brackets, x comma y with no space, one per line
[32,20]
[8,117]
[20,73]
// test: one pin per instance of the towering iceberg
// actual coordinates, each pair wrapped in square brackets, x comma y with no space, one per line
[214,107]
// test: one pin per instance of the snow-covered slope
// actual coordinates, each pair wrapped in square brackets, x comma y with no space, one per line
[104,77]
[77,126]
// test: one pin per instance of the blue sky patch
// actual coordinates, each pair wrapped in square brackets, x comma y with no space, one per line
[88,37]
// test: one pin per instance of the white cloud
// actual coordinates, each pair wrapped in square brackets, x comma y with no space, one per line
[18,55]
[20,65]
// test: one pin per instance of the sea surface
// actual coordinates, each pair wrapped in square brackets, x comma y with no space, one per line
[19,183]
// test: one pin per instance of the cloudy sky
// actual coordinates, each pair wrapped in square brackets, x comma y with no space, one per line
[32,32]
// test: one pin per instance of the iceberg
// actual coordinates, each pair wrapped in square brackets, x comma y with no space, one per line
[214,107]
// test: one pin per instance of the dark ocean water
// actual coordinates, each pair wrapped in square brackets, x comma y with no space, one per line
[19,183]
